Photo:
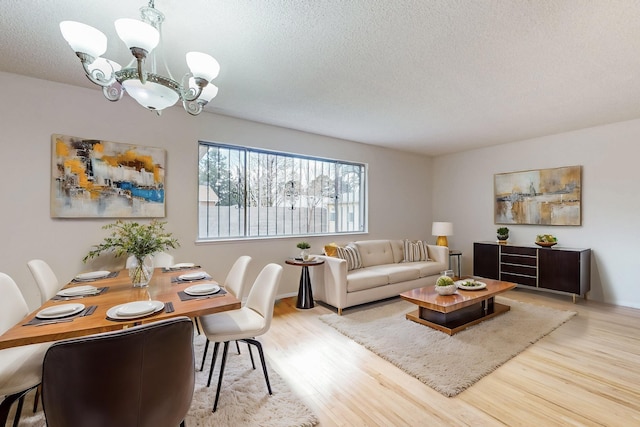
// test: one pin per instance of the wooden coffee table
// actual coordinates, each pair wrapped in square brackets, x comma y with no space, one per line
[453,313]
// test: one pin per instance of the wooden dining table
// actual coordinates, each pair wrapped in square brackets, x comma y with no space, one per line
[162,287]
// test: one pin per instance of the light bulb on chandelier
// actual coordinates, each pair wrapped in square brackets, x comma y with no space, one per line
[150,89]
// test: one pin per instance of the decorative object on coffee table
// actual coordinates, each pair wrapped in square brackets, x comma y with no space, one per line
[445,285]
[503,234]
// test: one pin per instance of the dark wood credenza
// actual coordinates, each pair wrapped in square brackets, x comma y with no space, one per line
[556,268]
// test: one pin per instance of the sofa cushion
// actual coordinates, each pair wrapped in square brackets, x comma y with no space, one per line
[399,272]
[365,278]
[429,268]
[375,252]
[351,254]
[397,247]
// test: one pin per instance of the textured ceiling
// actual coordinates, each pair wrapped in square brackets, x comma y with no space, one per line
[427,76]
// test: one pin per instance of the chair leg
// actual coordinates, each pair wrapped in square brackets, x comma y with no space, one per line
[204,355]
[16,419]
[224,361]
[264,365]
[6,404]
[36,398]
[197,323]
[182,424]
[251,356]
[213,361]
[238,347]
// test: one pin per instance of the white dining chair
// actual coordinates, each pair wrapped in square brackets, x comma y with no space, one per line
[235,283]
[163,260]
[160,260]
[45,278]
[20,367]
[244,324]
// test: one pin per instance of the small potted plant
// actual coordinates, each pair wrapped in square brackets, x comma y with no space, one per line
[138,240]
[304,247]
[445,285]
[503,234]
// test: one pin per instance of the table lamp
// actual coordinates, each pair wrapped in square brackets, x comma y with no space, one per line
[442,230]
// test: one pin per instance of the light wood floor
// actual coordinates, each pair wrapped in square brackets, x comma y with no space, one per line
[585,373]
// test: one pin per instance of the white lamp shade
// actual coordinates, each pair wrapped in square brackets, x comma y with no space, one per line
[442,229]
[209,92]
[203,65]
[84,38]
[136,33]
[150,95]
[107,66]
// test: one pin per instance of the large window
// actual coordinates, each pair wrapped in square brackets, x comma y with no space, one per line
[245,192]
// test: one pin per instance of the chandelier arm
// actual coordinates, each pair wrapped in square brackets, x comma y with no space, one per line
[193,107]
[142,75]
[113,92]
[96,75]
[140,55]
[191,95]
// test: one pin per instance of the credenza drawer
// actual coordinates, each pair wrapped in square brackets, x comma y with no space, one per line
[523,280]
[518,259]
[519,250]
[519,269]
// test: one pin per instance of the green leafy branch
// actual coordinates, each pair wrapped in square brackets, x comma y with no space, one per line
[132,238]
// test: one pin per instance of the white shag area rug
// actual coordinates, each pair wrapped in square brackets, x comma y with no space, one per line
[244,398]
[448,364]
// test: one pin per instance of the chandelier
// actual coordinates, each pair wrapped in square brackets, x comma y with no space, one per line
[140,78]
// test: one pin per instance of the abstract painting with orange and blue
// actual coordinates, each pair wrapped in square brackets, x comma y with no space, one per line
[95,178]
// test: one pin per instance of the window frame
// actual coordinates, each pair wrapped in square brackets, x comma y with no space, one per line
[246,152]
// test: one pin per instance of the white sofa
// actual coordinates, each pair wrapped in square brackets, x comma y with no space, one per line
[383,274]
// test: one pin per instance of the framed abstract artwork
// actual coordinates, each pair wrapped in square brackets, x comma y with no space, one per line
[101,179]
[542,196]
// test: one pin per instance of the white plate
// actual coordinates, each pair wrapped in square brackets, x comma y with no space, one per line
[131,310]
[93,275]
[193,276]
[204,289]
[78,291]
[461,285]
[182,265]
[62,310]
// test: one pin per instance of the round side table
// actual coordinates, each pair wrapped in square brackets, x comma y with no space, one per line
[305,294]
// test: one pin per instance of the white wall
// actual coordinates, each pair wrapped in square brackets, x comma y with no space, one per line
[31,110]
[609,155]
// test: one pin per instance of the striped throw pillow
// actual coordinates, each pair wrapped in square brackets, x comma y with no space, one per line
[351,254]
[415,251]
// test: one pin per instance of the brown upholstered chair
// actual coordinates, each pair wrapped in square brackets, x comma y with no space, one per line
[141,376]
